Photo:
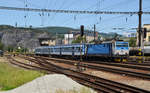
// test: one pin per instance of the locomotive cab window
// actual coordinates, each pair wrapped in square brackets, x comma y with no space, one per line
[121,45]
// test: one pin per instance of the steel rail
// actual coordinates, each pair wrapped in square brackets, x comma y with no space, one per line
[108,69]
[82,80]
[97,79]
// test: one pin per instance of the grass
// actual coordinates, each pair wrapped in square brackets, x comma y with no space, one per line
[12,77]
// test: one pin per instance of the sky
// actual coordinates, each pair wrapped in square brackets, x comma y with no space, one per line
[104,23]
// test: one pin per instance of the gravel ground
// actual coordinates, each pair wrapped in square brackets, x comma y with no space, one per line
[3,59]
[48,84]
[136,82]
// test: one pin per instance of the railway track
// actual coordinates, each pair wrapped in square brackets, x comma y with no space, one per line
[141,66]
[108,69]
[99,84]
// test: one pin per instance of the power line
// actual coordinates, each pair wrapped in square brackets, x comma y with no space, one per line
[75,16]
[68,11]
[61,6]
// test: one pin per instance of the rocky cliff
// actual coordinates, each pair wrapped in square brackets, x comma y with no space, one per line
[20,37]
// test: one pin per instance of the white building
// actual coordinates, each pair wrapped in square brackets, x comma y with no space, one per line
[129,34]
[68,38]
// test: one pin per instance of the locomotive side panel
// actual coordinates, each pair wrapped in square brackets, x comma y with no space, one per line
[99,49]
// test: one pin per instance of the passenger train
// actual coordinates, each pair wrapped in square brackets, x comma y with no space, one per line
[116,49]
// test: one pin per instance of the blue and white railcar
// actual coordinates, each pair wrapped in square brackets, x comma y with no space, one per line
[73,50]
[109,49]
[42,50]
[55,50]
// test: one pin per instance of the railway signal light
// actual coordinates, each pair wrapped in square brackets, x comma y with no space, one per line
[145,32]
[82,30]
[140,52]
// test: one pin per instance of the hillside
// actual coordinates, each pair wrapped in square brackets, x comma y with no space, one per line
[54,30]
[21,37]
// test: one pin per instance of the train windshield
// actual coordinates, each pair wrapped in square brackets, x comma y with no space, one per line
[125,45]
[122,44]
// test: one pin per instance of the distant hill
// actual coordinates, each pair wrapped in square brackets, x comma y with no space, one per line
[2,27]
[54,30]
[109,35]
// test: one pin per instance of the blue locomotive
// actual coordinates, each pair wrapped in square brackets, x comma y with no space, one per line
[114,49]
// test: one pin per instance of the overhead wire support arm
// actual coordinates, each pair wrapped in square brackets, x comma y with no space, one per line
[68,11]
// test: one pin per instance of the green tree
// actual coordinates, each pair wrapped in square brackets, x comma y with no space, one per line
[1,46]
[10,48]
[21,50]
[92,41]
[132,42]
[79,39]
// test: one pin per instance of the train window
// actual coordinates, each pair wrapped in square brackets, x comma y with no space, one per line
[51,50]
[76,49]
[79,48]
[124,45]
[70,49]
[38,50]
[64,49]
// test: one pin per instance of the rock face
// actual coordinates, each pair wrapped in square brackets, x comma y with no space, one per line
[27,39]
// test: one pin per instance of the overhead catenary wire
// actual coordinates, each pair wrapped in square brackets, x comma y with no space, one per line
[61,6]
[69,11]
[99,6]
[110,20]
[75,16]
[26,13]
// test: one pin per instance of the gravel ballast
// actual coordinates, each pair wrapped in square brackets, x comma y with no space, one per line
[48,84]
[132,81]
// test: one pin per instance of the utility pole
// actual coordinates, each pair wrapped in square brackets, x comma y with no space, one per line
[140,40]
[68,37]
[140,36]
[81,42]
[94,32]
[56,39]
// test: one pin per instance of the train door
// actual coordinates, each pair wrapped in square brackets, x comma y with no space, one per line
[73,51]
[60,51]
[49,51]
[113,48]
